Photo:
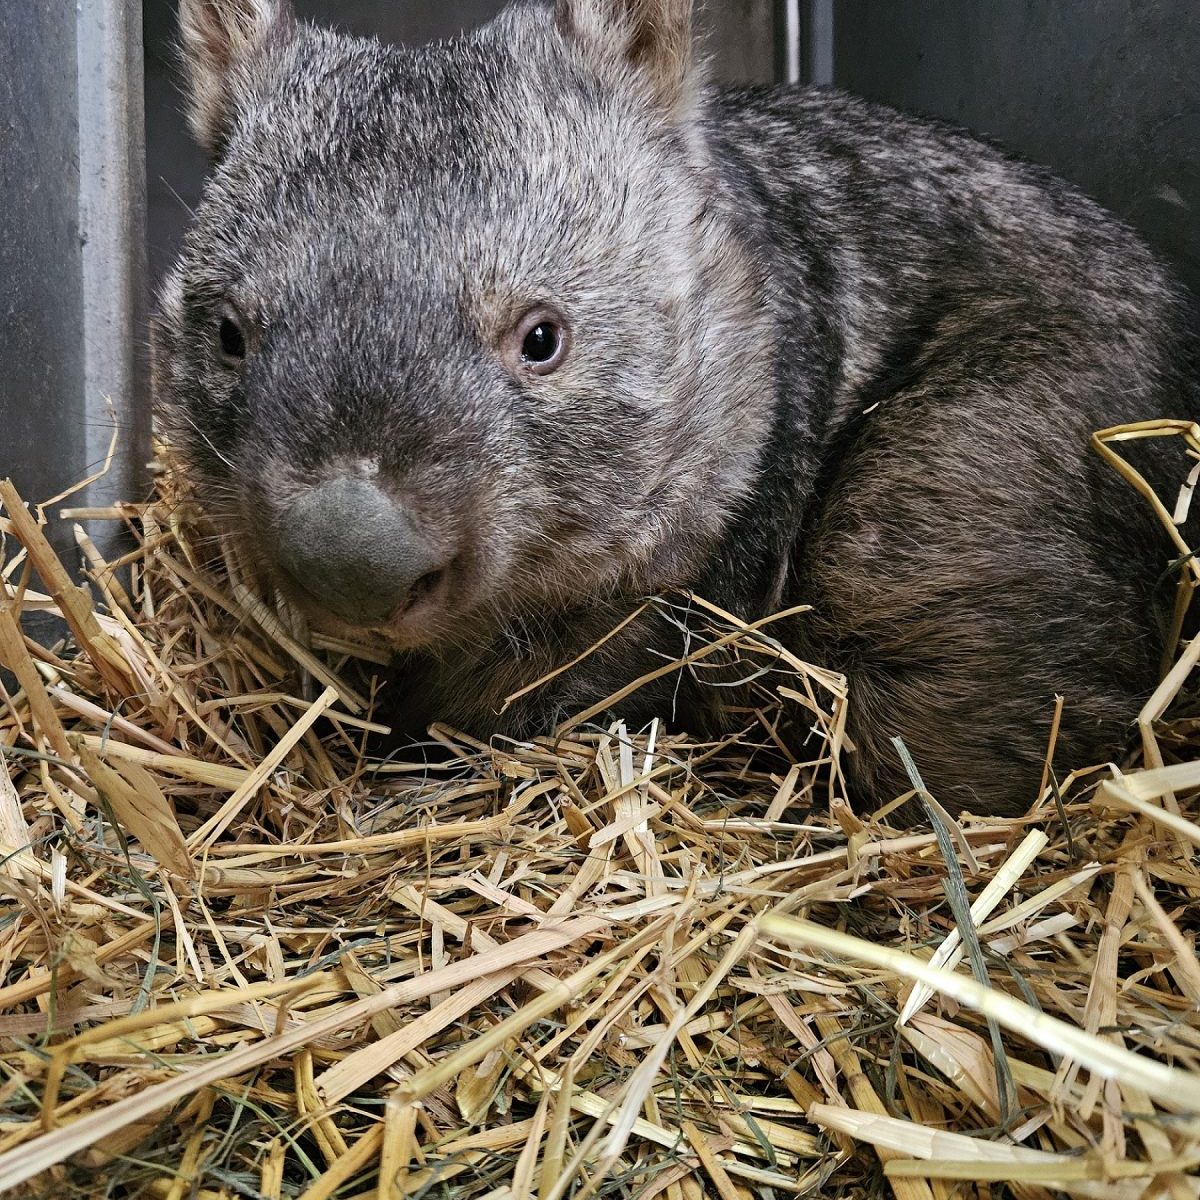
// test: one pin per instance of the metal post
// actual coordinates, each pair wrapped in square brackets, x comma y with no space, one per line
[112,211]
[791,42]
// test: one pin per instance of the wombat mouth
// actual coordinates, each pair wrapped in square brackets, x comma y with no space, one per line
[416,621]
[426,588]
[428,598]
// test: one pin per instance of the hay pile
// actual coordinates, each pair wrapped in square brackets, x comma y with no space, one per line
[241,958]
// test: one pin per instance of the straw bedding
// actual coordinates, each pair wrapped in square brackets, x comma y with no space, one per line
[242,956]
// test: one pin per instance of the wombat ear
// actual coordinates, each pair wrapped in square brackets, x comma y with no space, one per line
[220,37]
[653,36]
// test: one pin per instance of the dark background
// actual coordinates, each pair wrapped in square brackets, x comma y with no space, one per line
[1107,92]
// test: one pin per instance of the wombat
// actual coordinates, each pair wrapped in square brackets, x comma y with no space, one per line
[477,344]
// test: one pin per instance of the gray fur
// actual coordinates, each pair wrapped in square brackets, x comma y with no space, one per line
[822,352]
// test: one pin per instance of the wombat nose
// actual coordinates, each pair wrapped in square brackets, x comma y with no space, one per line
[355,550]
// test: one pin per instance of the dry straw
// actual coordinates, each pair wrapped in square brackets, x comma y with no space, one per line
[243,956]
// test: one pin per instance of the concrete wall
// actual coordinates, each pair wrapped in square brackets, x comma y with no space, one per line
[41,308]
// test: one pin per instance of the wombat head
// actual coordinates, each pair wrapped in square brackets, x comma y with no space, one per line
[463,330]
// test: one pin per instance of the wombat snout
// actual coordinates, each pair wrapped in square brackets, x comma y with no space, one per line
[356,552]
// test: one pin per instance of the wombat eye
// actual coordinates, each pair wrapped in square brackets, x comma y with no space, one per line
[539,343]
[232,337]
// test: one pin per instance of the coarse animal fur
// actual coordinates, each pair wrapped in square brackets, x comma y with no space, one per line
[820,352]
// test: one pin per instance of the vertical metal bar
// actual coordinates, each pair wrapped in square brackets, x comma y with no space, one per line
[112,210]
[793,40]
[817,38]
